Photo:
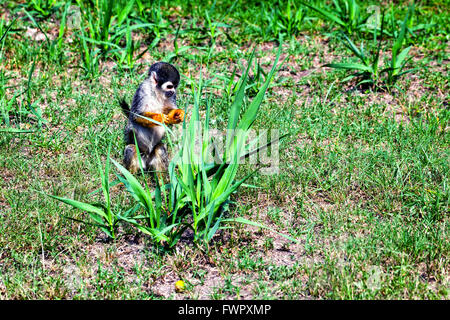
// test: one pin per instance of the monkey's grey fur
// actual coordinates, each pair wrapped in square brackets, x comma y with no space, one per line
[156,94]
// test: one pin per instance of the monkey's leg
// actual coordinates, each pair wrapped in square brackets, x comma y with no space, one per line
[159,158]
[151,115]
[159,161]
[175,116]
[131,160]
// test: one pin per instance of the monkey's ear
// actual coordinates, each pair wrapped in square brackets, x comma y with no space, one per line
[154,78]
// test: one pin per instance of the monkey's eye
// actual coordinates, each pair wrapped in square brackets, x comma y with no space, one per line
[169,86]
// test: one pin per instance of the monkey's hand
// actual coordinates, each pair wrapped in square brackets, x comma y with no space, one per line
[175,116]
[151,115]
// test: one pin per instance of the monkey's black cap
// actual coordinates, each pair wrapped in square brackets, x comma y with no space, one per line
[165,72]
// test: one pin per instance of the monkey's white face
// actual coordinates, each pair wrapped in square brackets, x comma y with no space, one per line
[168,89]
[165,92]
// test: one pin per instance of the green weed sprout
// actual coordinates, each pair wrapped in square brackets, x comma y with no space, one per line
[368,68]
[101,213]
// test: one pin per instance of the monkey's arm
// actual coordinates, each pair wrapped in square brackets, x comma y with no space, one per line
[151,115]
[175,116]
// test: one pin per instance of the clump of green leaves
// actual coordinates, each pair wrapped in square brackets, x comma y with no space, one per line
[44,8]
[101,213]
[11,110]
[163,217]
[209,185]
[368,69]
[345,13]
[399,55]
[106,32]
[288,18]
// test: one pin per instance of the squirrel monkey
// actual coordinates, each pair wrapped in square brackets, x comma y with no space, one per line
[155,99]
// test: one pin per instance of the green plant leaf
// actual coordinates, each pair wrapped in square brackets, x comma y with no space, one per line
[350,66]
[135,188]
[82,206]
[326,14]
[400,59]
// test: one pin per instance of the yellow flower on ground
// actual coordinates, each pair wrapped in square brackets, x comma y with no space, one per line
[179,286]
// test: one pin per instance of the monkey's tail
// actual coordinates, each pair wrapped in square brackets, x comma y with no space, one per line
[125,107]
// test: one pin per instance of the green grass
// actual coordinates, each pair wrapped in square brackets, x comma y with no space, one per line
[364,174]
